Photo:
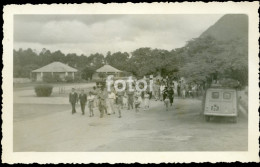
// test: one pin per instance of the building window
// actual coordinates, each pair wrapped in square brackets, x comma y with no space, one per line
[215,95]
[226,95]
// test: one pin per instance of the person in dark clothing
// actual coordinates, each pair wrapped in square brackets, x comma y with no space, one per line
[82,100]
[165,92]
[101,102]
[179,89]
[73,99]
[130,99]
[171,94]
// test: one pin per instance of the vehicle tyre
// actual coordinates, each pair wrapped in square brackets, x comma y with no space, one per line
[207,118]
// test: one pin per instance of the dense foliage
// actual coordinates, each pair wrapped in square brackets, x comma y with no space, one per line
[201,60]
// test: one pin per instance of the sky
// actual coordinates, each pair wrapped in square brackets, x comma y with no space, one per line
[87,34]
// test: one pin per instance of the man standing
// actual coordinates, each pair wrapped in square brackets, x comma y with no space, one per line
[120,95]
[171,95]
[101,102]
[156,89]
[130,98]
[82,100]
[73,98]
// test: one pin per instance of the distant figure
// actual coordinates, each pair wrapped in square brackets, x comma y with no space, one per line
[162,87]
[73,99]
[137,103]
[156,89]
[130,99]
[146,100]
[118,105]
[101,102]
[179,89]
[125,102]
[111,102]
[94,93]
[166,102]
[183,92]
[138,94]
[164,93]
[120,95]
[170,92]
[82,100]
[91,99]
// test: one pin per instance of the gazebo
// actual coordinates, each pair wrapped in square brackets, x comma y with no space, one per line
[54,68]
[108,70]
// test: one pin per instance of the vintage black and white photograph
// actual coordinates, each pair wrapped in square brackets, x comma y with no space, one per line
[130,82]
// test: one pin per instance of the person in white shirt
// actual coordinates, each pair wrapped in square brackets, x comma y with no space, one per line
[111,102]
[91,99]
[162,87]
[146,100]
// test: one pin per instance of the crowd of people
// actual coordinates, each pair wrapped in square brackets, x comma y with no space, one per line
[110,101]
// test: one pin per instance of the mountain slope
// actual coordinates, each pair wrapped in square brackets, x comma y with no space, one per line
[228,27]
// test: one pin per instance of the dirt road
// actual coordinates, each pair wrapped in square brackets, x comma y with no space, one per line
[53,128]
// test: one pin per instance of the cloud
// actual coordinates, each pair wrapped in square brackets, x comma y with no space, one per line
[102,33]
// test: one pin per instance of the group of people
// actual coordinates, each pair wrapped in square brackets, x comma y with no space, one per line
[107,102]
[110,101]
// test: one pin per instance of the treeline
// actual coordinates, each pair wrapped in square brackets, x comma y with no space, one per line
[200,60]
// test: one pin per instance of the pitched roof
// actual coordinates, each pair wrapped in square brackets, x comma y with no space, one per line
[107,68]
[56,67]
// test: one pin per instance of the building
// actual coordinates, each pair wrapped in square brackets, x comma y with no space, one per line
[54,68]
[107,70]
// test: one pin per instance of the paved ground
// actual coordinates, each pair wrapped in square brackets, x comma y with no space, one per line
[51,127]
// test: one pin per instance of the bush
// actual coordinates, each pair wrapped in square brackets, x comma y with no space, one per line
[43,90]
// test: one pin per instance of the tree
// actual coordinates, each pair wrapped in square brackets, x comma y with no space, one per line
[71,59]
[118,60]
[145,61]
[87,72]
[97,60]
[206,59]
[58,56]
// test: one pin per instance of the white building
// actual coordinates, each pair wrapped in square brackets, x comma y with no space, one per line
[54,68]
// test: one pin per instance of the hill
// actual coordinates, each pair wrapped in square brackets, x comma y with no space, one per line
[228,27]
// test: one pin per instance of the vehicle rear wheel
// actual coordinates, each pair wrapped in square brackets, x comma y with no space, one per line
[207,118]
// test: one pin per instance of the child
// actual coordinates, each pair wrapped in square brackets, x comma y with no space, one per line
[146,100]
[137,103]
[91,99]
[166,101]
